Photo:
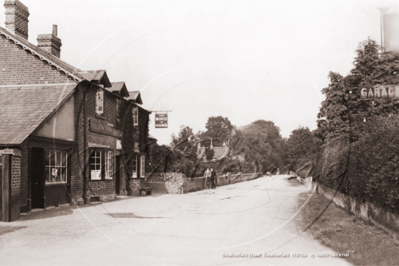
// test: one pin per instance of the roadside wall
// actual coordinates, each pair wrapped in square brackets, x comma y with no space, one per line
[177,183]
[368,211]
[193,184]
[166,183]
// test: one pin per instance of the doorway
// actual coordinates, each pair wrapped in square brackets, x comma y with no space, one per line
[37,176]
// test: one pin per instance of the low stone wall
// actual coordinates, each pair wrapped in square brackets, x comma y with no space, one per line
[235,178]
[223,180]
[157,187]
[382,218]
[166,183]
[193,184]
[135,184]
[177,183]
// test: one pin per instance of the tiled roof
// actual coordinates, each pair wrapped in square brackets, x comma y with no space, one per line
[24,107]
[42,54]
[151,137]
[97,76]
[220,152]
[135,96]
[119,87]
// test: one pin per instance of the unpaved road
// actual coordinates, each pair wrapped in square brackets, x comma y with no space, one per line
[240,224]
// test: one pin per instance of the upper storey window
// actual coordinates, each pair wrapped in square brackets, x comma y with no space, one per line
[135,116]
[100,102]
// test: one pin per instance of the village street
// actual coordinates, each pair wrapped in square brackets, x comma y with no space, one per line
[263,217]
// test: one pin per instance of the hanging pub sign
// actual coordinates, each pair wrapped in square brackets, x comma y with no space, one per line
[161,120]
[380,91]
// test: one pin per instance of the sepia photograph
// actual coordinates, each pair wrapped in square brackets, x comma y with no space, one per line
[199,132]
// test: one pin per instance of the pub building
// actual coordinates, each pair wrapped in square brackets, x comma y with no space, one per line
[67,136]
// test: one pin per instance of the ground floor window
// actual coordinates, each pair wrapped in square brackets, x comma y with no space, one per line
[109,164]
[101,164]
[56,166]
[95,165]
[134,174]
[142,166]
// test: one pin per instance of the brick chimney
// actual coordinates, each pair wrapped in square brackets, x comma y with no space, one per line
[16,18]
[50,42]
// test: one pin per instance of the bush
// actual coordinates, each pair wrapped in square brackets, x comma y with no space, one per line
[368,169]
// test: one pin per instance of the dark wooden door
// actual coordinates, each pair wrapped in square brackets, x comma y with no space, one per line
[117,175]
[37,176]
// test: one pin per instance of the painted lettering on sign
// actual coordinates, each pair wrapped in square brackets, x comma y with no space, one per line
[380,91]
[161,120]
[104,128]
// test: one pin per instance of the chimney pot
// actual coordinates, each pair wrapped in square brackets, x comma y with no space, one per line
[16,18]
[50,43]
[55,33]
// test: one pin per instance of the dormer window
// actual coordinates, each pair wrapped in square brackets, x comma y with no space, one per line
[135,116]
[100,102]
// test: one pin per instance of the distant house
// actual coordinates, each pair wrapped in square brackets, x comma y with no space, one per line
[219,152]
[67,136]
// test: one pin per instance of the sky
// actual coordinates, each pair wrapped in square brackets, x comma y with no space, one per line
[241,59]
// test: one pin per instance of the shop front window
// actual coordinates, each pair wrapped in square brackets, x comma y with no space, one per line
[101,165]
[56,166]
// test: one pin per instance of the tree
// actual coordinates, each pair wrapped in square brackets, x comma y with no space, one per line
[219,129]
[185,141]
[260,143]
[333,116]
[301,146]
[344,111]
[160,158]
[209,153]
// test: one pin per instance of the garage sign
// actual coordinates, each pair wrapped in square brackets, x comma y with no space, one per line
[380,91]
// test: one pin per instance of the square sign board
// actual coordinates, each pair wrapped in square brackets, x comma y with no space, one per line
[161,120]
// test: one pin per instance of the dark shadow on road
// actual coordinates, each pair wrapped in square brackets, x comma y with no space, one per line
[131,215]
[341,231]
[4,229]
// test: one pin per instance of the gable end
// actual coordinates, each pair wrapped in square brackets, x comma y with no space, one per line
[18,65]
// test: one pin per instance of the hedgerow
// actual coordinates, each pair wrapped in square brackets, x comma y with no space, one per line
[367,169]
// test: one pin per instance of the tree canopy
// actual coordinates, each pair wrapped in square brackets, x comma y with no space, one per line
[344,111]
[185,142]
[259,143]
[302,146]
[219,129]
